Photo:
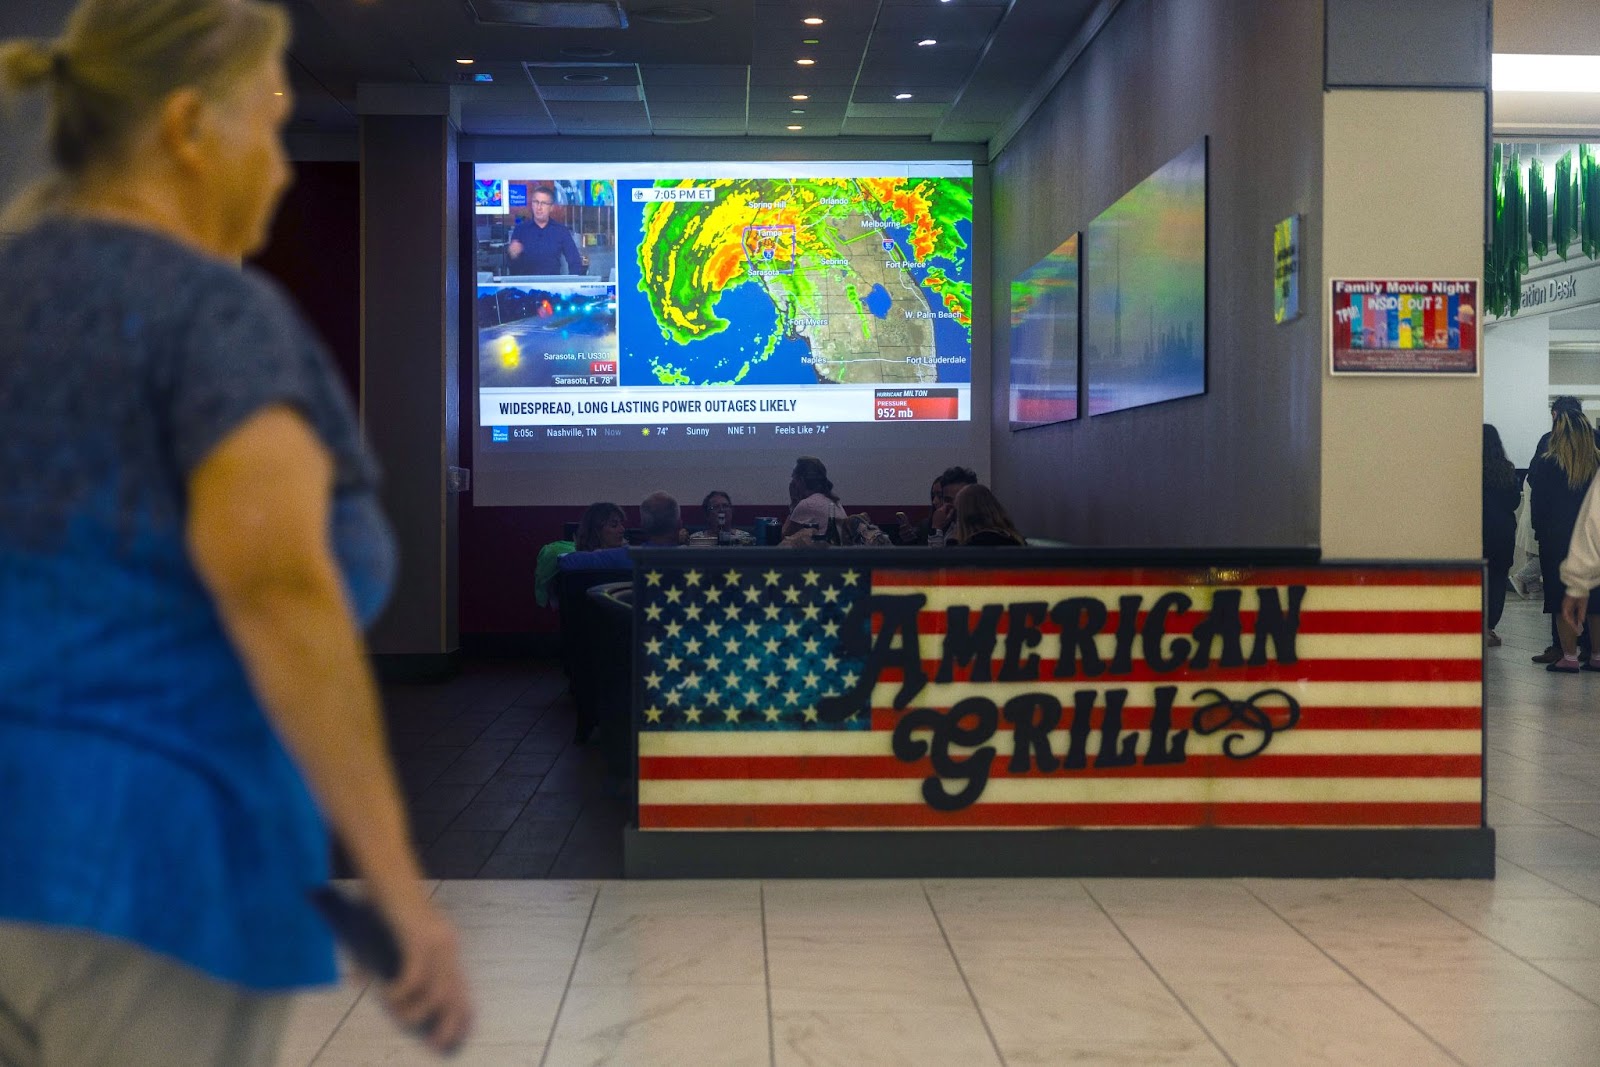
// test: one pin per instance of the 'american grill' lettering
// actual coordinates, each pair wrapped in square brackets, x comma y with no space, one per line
[893,650]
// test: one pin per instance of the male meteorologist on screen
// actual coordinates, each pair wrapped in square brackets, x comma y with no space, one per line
[538,245]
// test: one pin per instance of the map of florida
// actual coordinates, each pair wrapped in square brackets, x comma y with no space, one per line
[858,269]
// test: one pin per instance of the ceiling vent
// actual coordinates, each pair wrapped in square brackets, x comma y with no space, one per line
[552,14]
[674,15]
[593,82]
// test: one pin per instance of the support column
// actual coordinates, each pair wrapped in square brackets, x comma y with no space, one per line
[1406,137]
[410,348]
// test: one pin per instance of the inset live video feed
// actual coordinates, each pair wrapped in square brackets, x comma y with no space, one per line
[661,306]
[547,281]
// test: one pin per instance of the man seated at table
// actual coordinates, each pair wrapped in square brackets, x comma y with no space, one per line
[719,529]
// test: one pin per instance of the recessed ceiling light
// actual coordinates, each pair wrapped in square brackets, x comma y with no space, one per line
[812,21]
[806,62]
[902,96]
[811,40]
[926,42]
[796,127]
[800,96]
[797,111]
[1517,73]
[277,94]
[465,62]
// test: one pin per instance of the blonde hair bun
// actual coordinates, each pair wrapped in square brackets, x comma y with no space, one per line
[26,63]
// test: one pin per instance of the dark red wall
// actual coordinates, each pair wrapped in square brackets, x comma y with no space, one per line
[315,253]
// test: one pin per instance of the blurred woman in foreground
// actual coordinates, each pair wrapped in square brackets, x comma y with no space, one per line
[189,541]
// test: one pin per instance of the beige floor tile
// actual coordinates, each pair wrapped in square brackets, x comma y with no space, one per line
[402,1052]
[491,902]
[839,974]
[1002,895]
[882,1039]
[1223,943]
[641,950]
[506,1015]
[1065,1008]
[686,897]
[1517,1039]
[312,1020]
[871,910]
[1581,976]
[1543,929]
[1416,983]
[1582,882]
[1509,882]
[1172,896]
[1274,1022]
[706,1026]
[1075,934]
[532,951]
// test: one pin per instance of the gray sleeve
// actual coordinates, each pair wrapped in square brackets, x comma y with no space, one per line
[243,349]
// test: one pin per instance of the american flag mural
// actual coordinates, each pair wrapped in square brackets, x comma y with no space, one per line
[824,695]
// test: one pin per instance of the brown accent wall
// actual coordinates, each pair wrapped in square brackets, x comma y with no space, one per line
[1239,465]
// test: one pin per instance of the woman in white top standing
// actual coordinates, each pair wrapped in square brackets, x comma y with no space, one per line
[812,499]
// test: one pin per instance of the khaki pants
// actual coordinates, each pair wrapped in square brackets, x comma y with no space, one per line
[74,999]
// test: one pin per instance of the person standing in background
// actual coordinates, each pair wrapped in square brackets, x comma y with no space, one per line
[1500,499]
[190,540]
[1560,477]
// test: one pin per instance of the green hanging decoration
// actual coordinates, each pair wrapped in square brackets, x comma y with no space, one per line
[1494,297]
[1564,213]
[1589,194]
[1531,220]
[1538,210]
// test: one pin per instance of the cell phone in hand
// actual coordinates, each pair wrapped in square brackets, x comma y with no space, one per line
[361,929]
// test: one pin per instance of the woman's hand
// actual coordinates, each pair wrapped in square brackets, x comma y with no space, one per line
[1573,609]
[430,996]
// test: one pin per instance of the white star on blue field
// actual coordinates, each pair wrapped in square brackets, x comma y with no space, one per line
[746,648]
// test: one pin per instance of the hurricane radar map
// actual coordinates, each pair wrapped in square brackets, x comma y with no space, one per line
[796,281]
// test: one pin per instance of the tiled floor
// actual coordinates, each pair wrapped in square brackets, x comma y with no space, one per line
[497,787]
[1033,972]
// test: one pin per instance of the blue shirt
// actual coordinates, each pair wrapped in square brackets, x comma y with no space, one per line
[543,248]
[598,559]
[143,793]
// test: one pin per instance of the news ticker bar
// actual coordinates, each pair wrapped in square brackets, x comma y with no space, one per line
[578,406]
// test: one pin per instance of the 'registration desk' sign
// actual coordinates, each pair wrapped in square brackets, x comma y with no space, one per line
[820,696]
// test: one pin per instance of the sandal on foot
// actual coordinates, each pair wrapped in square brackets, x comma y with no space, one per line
[1565,665]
